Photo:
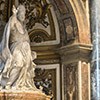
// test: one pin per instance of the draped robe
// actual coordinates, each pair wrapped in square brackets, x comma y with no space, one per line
[16,66]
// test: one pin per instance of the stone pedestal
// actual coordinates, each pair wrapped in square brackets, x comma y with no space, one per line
[10,95]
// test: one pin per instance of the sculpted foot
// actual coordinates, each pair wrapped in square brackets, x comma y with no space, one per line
[1,87]
[7,87]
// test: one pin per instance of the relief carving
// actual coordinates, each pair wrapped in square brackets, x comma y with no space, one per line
[37,11]
[44,81]
[70,82]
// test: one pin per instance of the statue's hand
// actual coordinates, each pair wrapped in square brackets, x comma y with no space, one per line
[14,10]
[34,55]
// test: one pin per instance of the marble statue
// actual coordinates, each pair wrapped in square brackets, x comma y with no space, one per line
[16,66]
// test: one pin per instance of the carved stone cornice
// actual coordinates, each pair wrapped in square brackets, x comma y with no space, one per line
[75,52]
[46,54]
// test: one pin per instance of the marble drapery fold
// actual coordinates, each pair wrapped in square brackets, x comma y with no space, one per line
[16,66]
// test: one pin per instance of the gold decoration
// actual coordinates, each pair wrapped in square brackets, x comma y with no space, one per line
[41,11]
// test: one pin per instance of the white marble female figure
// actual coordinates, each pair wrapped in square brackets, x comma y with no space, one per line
[17,69]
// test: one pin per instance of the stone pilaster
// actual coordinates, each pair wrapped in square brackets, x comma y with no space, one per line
[95,68]
[75,72]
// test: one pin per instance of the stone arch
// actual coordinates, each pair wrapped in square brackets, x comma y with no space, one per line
[82,20]
[66,19]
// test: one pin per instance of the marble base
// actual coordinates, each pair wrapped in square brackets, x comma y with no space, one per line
[33,95]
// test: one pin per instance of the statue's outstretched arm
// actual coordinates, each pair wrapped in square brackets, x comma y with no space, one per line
[13,18]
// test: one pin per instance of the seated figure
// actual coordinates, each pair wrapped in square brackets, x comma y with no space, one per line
[16,66]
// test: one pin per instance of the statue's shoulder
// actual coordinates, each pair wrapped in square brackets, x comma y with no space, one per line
[13,18]
[15,24]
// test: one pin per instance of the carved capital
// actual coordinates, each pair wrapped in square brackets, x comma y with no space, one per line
[75,52]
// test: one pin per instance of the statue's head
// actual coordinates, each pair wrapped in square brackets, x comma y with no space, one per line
[21,13]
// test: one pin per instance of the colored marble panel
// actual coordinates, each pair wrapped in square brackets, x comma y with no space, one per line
[62,6]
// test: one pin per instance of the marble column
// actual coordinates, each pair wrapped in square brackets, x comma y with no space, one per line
[95,67]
